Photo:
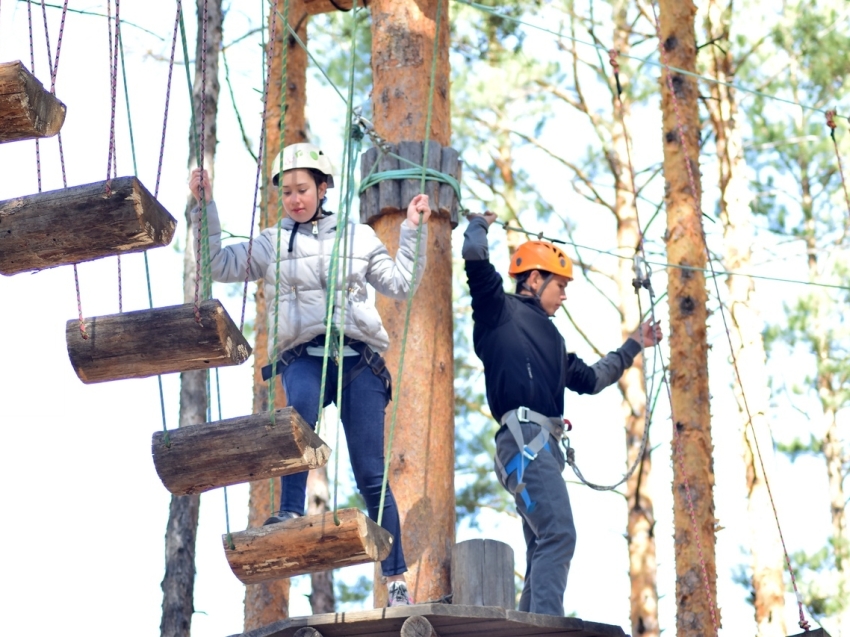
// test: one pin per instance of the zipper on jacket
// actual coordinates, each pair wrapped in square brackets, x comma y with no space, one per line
[315,228]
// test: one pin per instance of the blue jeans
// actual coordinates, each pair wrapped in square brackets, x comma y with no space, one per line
[364,401]
[550,534]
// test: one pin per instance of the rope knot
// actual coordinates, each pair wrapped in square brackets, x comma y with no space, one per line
[612,57]
[830,119]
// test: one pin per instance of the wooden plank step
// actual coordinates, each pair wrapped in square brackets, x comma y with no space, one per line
[446,620]
[198,458]
[306,545]
[82,223]
[150,342]
[27,109]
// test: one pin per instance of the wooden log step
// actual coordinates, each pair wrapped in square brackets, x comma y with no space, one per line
[483,574]
[82,223]
[306,545]
[27,109]
[159,341]
[198,458]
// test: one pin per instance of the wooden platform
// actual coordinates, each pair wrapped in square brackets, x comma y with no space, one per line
[447,620]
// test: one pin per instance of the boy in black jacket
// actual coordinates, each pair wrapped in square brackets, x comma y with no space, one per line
[526,369]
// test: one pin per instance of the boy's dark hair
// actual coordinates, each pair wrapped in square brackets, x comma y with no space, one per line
[521,279]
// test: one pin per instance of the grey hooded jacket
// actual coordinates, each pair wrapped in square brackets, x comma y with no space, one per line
[304,275]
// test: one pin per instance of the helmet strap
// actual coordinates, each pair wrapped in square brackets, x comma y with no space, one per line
[546,281]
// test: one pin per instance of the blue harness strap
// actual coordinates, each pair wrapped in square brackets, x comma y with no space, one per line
[519,463]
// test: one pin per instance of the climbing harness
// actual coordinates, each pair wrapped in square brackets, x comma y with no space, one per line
[316,347]
[513,420]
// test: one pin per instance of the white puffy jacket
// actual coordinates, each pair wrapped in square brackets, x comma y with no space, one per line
[304,275]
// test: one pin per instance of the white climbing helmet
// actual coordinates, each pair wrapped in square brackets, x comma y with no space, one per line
[302,156]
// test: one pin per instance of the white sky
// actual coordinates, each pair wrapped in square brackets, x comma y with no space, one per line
[84,511]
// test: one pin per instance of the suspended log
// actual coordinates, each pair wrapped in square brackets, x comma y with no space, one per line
[306,545]
[417,626]
[483,574]
[151,342]
[82,223]
[27,109]
[201,457]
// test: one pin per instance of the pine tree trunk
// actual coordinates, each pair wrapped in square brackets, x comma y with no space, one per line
[268,602]
[640,525]
[179,582]
[746,332]
[696,570]
[318,495]
[422,465]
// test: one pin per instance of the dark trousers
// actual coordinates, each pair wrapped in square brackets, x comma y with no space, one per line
[364,401]
[550,534]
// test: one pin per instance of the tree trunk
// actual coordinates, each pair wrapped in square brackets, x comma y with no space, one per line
[640,525]
[693,474]
[422,463]
[179,582]
[747,343]
[268,602]
[318,495]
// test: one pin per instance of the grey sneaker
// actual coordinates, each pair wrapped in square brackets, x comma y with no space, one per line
[281,516]
[397,594]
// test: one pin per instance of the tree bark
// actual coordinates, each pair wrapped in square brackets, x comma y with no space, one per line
[322,599]
[697,612]
[640,525]
[747,343]
[268,602]
[179,582]
[422,462]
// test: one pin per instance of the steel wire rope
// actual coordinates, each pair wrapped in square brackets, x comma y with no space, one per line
[661,65]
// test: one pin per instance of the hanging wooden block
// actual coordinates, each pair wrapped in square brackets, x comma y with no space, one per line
[82,223]
[151,342]
[306,545]
[198,458]
[27,109]
[417,626]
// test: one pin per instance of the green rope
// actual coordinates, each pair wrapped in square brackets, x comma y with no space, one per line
[282,125]
[412,288]
[166,438]
[412,173]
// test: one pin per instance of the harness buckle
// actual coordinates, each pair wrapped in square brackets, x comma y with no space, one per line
[528,454]
[522,414]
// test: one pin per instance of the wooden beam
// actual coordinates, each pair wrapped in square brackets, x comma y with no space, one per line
[27,109]
[201,457]
[483,574]
[82,223]
[417,626]
[305,545]
[150,342]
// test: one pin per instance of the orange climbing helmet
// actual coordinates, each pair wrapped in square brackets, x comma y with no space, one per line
[540,255]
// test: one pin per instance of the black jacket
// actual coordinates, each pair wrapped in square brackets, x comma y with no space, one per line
[526,363]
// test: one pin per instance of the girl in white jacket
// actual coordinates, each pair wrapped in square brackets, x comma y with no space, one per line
[306,246]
